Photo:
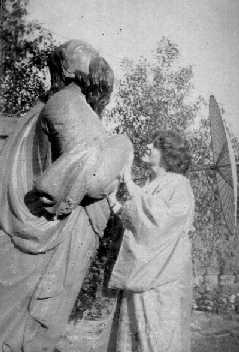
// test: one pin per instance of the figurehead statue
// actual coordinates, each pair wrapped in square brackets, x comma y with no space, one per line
[59,154]
[82,82]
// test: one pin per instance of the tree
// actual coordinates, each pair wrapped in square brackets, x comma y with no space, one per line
[25,47]
[153,96]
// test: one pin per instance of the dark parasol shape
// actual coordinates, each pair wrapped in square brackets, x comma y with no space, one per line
[224,166]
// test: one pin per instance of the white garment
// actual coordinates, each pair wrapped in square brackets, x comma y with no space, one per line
[154,269]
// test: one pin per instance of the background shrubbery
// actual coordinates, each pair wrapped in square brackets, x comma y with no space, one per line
[24,47]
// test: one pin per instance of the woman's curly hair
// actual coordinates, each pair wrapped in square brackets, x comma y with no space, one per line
[174,149]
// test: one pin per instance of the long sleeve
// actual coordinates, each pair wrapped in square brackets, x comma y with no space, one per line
[156,226]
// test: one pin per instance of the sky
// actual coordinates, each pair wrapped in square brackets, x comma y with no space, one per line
[206,32]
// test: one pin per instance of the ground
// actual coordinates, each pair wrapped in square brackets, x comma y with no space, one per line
[210,333]
[215,333]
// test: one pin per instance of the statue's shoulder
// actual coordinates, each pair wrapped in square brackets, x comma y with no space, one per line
[68,115]
[68,95]
[67,102]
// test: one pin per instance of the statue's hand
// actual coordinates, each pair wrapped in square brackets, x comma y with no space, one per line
[65,207]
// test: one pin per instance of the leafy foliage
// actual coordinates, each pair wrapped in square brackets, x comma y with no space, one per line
[153,95]
[25,47]
[220,300]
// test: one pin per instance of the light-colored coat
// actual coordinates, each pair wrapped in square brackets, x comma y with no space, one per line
[154,269]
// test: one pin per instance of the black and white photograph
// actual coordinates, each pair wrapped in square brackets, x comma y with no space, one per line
[119,166]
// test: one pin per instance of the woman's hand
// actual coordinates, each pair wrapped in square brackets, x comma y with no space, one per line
[113,202]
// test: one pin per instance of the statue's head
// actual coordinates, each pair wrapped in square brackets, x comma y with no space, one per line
[78,61]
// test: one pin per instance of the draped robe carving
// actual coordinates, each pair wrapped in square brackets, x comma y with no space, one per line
[44,258]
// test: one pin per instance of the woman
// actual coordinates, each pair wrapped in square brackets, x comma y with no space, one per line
[56,171]
[153,267]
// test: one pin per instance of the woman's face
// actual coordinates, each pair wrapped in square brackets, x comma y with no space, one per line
[153,156]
